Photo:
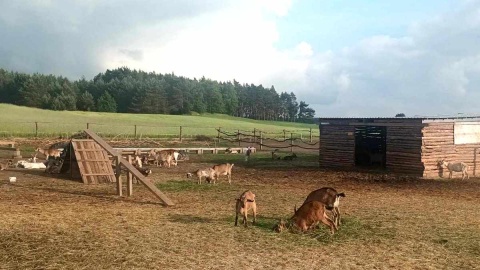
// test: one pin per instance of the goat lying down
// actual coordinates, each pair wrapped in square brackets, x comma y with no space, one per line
[244,203]
[455,167]
[30,165]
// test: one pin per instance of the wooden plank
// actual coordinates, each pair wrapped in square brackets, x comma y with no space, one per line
[132,169]
[101,142]
[146,182]
[93,162]
[129,179]
[80,164]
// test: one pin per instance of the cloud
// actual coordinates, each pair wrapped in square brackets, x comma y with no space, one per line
[433,70]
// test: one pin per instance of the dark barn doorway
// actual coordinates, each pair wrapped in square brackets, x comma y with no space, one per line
[370,146]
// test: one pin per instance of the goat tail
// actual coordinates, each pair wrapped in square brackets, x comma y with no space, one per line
[341,195]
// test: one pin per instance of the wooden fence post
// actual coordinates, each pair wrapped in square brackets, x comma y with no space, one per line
[291,142]
[284,135]
[129,179]
[238,137]
[135,133]
[218,134]
[261,140]
[88,125]
[36,129]
[180,133]
[117,174]
[310,134]
[254,135]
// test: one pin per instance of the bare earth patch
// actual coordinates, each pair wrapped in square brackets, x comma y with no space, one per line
[52,223]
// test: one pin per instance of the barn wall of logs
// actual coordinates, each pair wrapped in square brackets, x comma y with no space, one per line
[404,142]
[413,146]
[438,143]
[337,145]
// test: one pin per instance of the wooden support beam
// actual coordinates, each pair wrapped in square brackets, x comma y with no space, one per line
[130,168]
[129,179]
[147,183]
[118,171]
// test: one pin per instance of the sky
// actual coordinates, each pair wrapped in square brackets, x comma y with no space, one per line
[345,58]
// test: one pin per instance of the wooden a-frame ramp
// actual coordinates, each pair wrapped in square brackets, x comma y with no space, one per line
[121,161]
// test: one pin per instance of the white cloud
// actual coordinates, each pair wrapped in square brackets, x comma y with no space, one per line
[434,69]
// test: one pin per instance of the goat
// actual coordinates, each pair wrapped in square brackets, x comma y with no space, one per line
[290,157]
[48,152]
[53,166]
[165,157]
[230,151]
[30,165]
[274,154]
[455,167]
[223,169]
[310,214]
[144,170]
[244,203]
[208,173]
[137,161]
[330,197]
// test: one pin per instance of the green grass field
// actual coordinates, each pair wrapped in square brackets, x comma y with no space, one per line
[20,121]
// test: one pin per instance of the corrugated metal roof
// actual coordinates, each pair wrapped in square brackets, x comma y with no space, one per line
[413,118]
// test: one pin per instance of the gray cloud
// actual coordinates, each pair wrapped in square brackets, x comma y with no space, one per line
[68,37]
[434,70]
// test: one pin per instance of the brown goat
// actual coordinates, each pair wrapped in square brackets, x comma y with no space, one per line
[243,205]
[310,214]
[223,169]
[164,157]
[330,197]
[48,152]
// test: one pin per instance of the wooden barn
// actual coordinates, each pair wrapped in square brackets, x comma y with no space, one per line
[403,145]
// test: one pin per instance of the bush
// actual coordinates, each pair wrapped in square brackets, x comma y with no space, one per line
[202,138]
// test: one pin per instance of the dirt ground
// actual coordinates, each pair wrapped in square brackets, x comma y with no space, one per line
[389,222]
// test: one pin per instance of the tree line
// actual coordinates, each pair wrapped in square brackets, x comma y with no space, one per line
[133,91]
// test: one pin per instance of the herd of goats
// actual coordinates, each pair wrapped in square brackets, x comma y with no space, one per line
[320,206]
[316,208]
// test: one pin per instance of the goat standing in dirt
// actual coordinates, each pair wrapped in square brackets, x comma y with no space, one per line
[48,152]
[243,205]
[208,173]
[455,167]
[223,169]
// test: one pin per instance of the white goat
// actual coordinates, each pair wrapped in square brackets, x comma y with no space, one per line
[30,165]
[455,167]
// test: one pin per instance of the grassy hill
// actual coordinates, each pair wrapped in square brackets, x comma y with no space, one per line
[25,121]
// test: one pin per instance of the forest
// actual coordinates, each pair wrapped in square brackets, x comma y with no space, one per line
[133,91]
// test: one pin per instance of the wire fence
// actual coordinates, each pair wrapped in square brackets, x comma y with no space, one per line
[181,132]
[263,141]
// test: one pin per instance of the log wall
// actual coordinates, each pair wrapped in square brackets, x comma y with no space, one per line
[413,146]
[438,143]
[337,146]
[403,153]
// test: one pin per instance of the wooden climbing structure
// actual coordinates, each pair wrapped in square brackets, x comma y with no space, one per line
[119,161]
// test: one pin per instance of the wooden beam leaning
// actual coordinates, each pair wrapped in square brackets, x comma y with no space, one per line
[130,168]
